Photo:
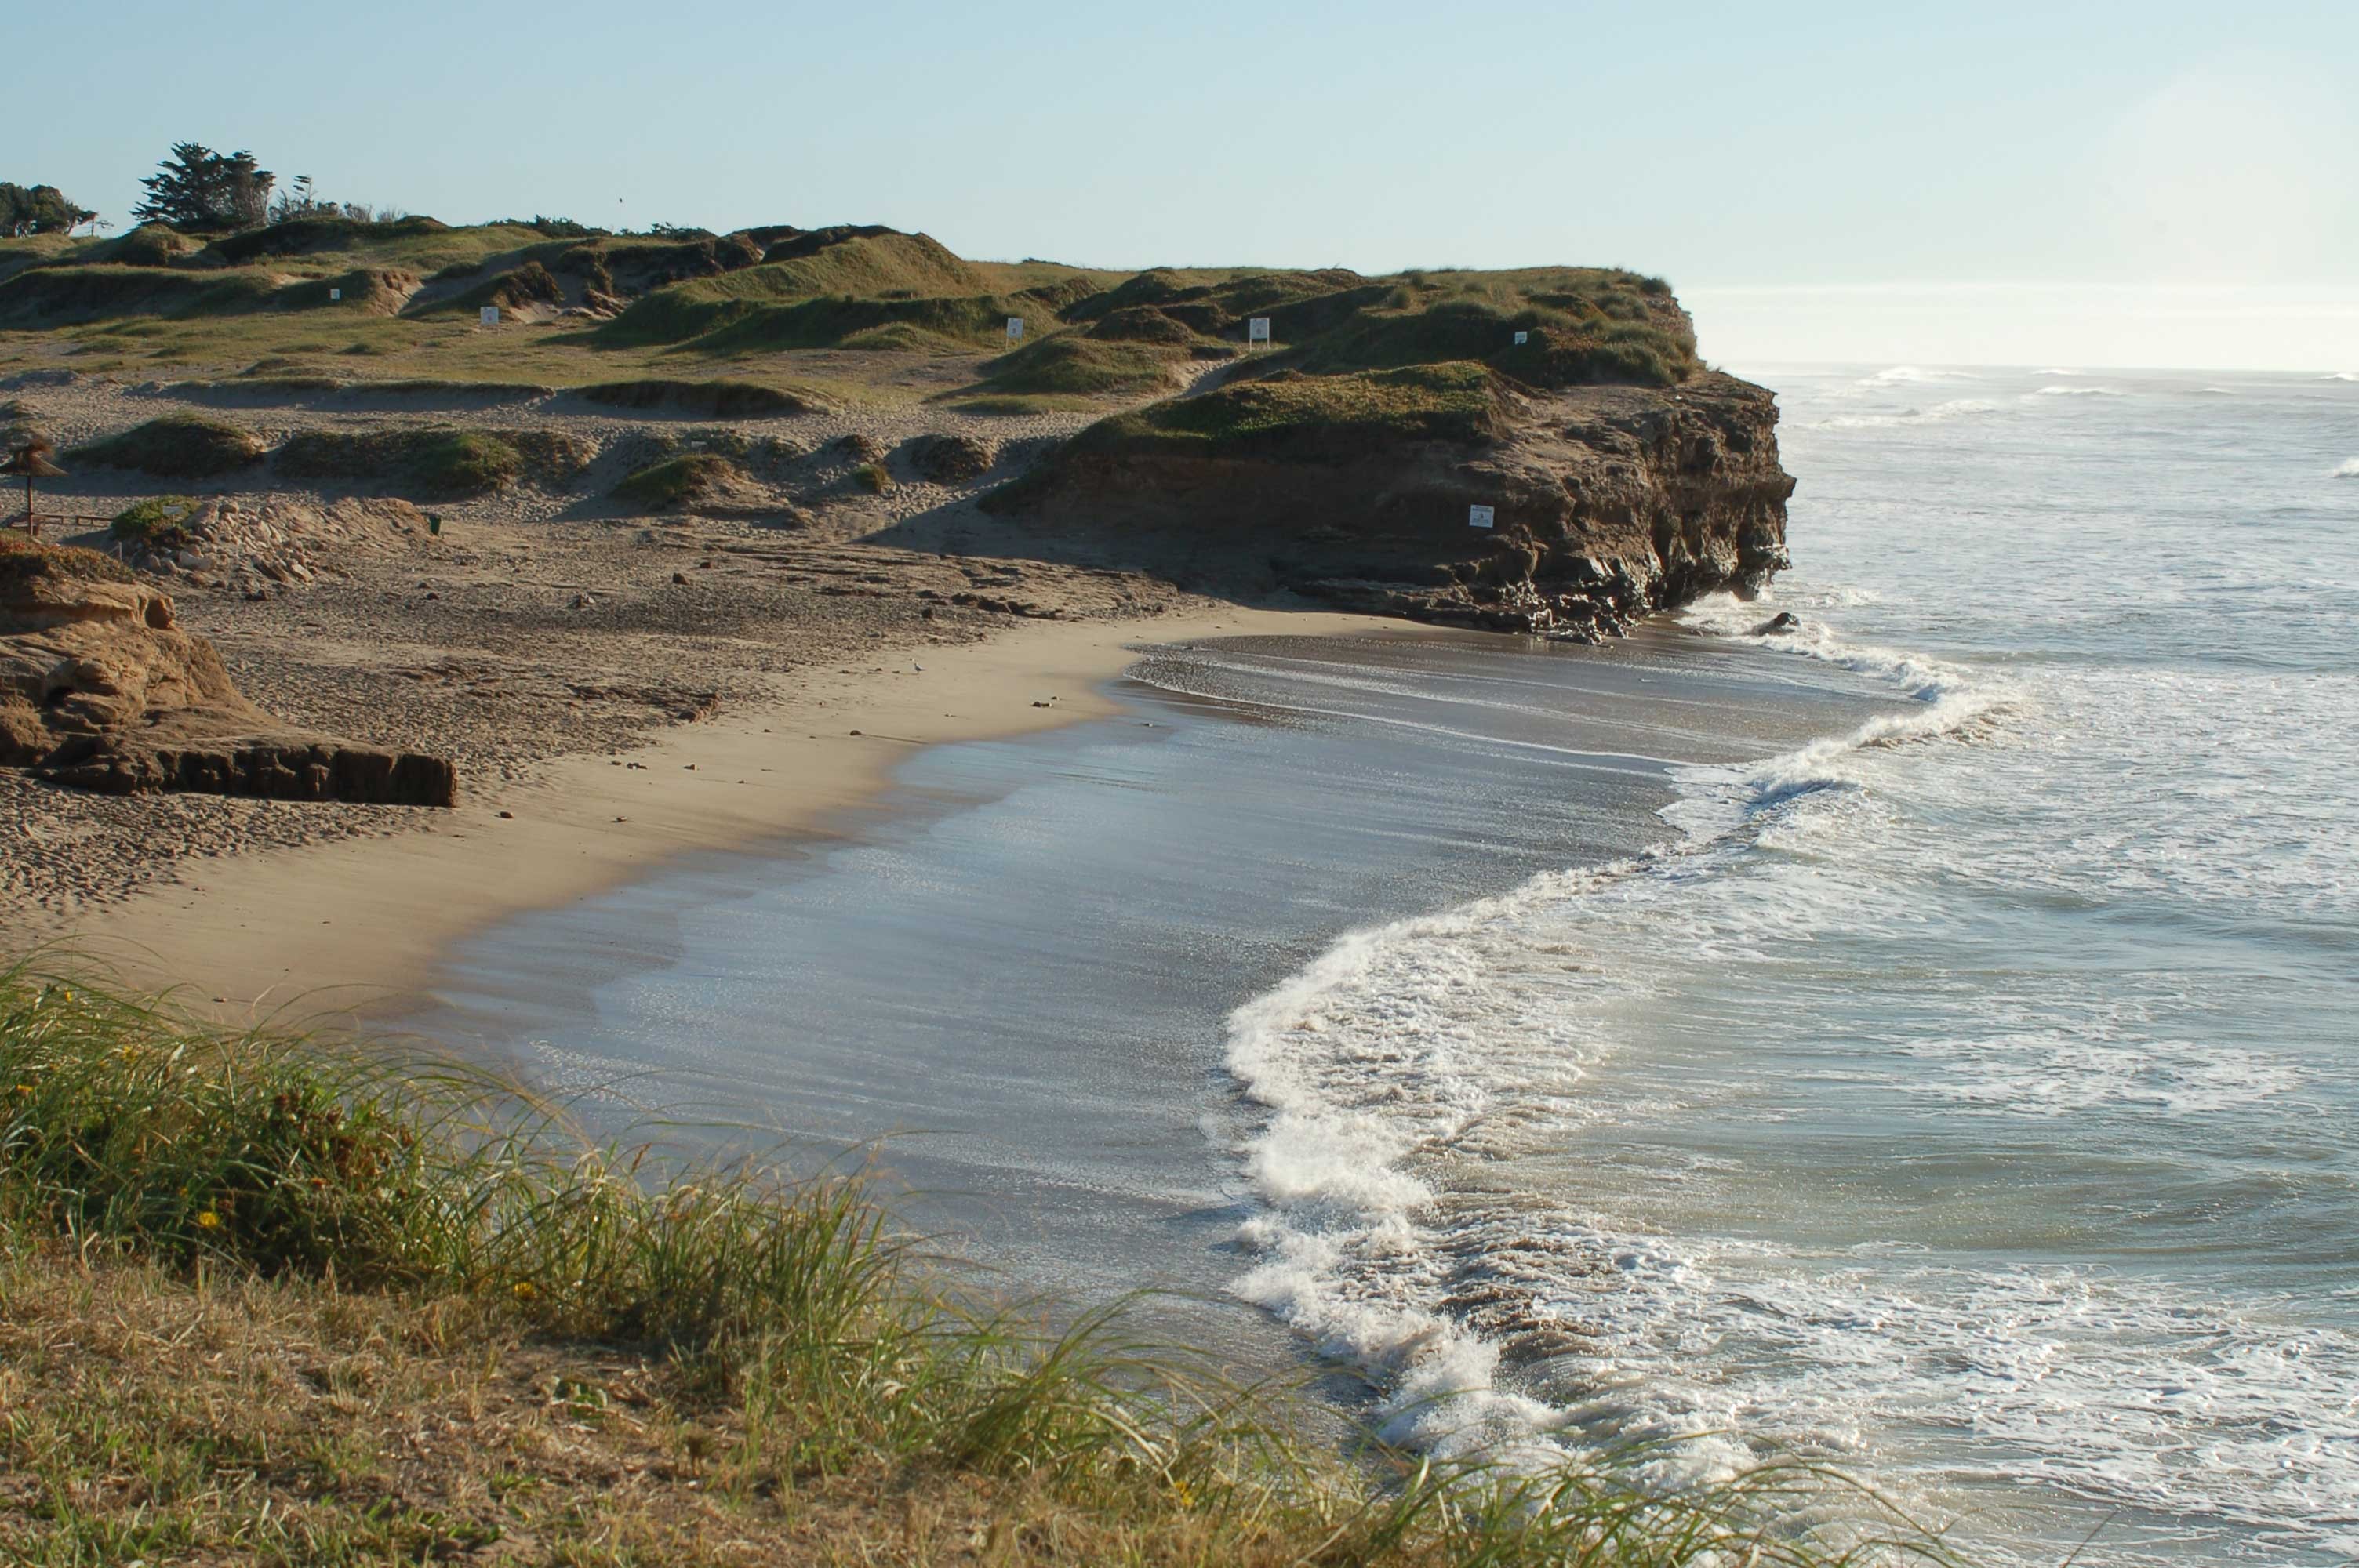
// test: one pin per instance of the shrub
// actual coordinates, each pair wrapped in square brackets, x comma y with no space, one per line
[158,520]
[872,477]
[177,446]
[678,481]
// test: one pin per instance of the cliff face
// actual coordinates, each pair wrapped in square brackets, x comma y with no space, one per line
[1610,503]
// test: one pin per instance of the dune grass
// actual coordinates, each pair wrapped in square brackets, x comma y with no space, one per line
[1074,365]
[177,446]
[289,1300]
[719,399]
[431,465]
[679,480]
[1321,417]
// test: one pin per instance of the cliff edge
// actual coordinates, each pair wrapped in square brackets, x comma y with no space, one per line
[1355,468]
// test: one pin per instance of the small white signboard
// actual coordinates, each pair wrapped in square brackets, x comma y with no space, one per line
[1015,329]
[1258,330]
[335,294]
[1522,338]
[491,316]
[1479,517]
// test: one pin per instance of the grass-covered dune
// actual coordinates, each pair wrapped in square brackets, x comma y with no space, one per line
[816,313]
[266,1298]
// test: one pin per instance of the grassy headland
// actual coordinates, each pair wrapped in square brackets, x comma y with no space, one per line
[782,319]
[274,1299]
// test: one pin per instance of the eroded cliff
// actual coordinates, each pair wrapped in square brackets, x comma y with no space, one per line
[1607,501]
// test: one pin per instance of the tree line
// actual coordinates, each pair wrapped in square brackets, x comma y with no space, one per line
[38,209]
[197,187]
[194,187]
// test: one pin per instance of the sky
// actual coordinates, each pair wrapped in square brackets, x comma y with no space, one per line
[2152,183]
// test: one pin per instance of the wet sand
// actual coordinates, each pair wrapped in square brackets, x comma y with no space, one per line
[355,926]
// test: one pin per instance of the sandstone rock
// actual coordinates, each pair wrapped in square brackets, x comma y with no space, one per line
[1609,502]
[100,689]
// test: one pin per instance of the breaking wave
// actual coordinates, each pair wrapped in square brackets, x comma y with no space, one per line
[1409,1049]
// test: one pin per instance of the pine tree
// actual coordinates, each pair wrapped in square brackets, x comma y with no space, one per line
[197,187]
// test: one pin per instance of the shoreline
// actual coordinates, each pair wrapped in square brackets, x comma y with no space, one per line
[355,927]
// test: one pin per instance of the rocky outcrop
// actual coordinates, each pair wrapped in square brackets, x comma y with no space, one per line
[100,689]
[1608,502]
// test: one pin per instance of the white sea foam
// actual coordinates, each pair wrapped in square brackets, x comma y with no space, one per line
[2347,469]
[1955,408]
[1901,375]
[2076,392]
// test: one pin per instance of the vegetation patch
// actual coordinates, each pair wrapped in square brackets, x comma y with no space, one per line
[433,465]
[1080,366]
[711,399]
[150,244]
[530,284]
[22,558]
[66,296]
[1294,414]
[1144,324]
[326,1303]
[873,478]
[814,290]
[158,520]
[682,482]
[177,446]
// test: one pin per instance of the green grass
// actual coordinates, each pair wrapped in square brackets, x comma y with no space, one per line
[874,478]
[432,465]
[1077,367]
[676,481]
[1312,416]
[240,1268]
[157,520]
[722,399]
[177,446]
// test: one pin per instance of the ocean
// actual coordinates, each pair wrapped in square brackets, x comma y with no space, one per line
[1920,1039]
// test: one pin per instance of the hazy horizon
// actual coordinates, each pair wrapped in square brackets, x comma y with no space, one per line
[2096,183]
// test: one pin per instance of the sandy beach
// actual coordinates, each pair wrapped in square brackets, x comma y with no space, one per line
[348,926]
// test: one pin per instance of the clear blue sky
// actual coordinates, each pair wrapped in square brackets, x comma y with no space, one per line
[2150,182]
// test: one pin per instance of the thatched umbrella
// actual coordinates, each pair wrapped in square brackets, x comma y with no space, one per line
[32,461]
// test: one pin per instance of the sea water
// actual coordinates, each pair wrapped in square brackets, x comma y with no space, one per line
[1971,1098]
[1919,1038]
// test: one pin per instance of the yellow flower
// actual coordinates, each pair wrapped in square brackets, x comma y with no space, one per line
[24,1088]
[209,1221]
[524,1291]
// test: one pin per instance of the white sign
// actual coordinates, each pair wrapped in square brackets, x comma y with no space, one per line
[1258,330]
[1522,338]
[335,294]
[1015,329]
[1479,517]
[491,316]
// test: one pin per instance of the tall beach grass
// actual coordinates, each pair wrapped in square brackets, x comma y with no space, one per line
[807,1352]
